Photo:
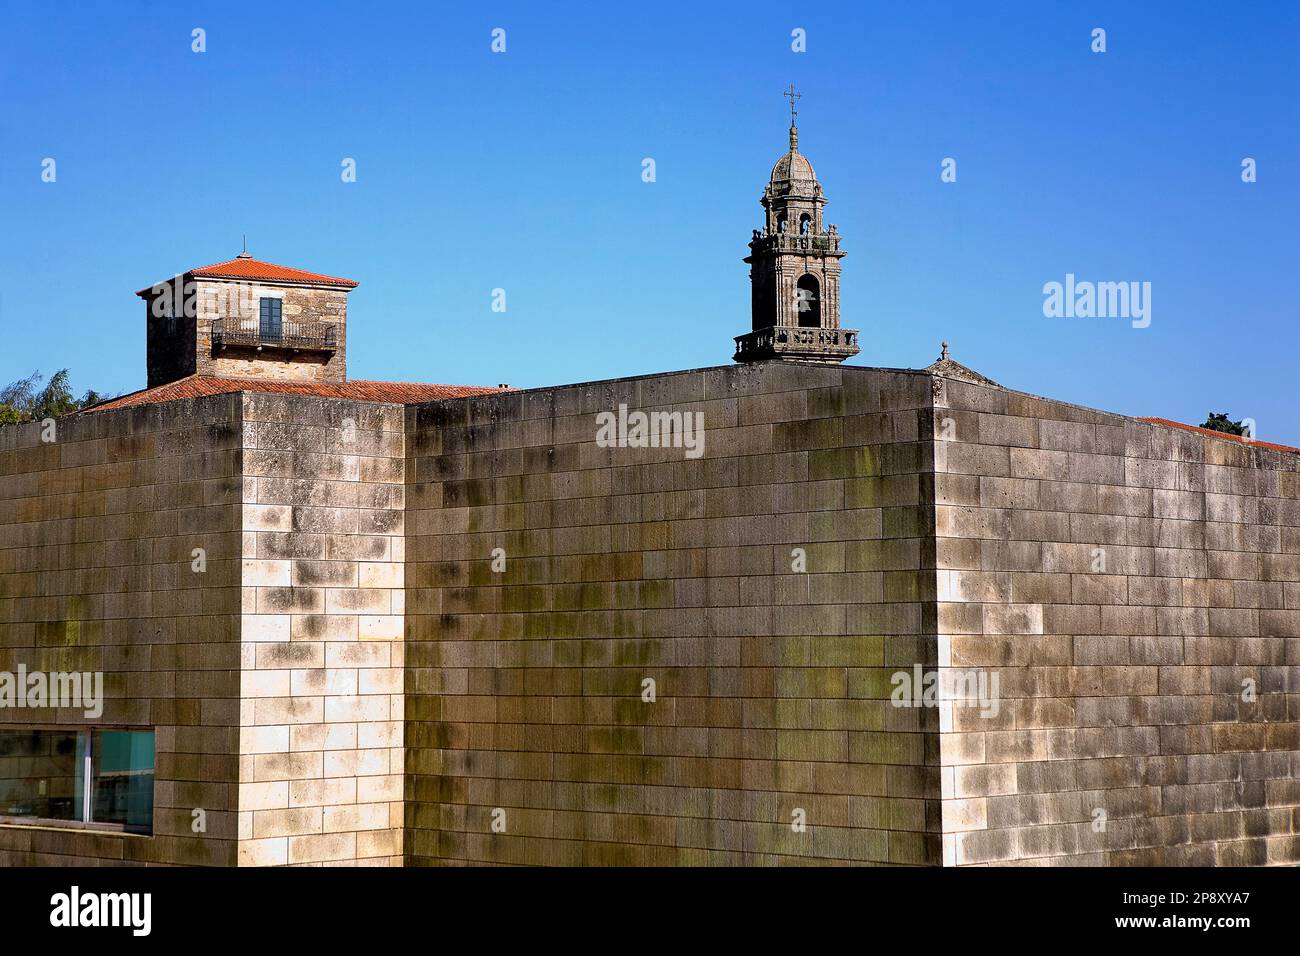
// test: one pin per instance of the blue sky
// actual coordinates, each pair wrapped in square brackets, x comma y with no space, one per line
[522,171]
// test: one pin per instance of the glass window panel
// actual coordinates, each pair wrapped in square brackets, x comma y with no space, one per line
[270,325]
[123,778]
[41,774]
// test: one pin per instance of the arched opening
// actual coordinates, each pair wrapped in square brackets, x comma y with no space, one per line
[805,224]
[780,223]
[808,301]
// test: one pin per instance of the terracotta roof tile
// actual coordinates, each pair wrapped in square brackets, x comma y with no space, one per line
[198,386]
[257,270]
[1211,433]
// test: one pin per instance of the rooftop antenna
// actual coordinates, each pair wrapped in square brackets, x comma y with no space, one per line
[244,254]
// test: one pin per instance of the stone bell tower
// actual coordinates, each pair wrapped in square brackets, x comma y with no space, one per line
[794,269]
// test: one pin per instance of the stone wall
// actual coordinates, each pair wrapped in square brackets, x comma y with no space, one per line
[216,300]
[355,677]
[321,724]
[529,738]
[97,573]
[272,678]
[1124,580]
[171,349]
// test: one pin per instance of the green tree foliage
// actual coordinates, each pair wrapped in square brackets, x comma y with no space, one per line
[1221,423]
[33,399]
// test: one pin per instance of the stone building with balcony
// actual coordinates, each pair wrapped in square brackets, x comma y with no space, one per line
[247,319]
[343,622]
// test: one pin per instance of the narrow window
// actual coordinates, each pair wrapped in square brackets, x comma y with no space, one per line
[271,327]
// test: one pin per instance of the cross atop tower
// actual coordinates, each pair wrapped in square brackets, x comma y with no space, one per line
[791,95]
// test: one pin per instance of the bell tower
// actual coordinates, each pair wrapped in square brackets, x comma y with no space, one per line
[794,269]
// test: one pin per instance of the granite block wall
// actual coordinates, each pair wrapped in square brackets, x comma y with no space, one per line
[473,632]
[321,732]
[272,677]
[769,588]
[1137,589]
[97,573]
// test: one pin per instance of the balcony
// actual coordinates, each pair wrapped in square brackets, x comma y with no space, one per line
[826,243]
[801,344]
[290,336]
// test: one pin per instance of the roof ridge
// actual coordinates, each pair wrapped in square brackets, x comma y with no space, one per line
[384,381]
[200,386]
[244,262]
[1214,433]
[256,270]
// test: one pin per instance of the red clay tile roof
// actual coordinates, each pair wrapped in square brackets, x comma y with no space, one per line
[197,386]
[1211,433]
[255,269]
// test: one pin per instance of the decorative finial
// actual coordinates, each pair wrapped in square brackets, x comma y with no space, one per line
[943,355]
[244,254]
[791,95]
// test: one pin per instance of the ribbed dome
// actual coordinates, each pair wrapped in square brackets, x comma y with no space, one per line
[793,165]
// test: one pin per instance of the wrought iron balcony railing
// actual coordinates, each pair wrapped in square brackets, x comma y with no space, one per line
[297,336]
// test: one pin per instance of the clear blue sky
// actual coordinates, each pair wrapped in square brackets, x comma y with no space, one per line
[523,171]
